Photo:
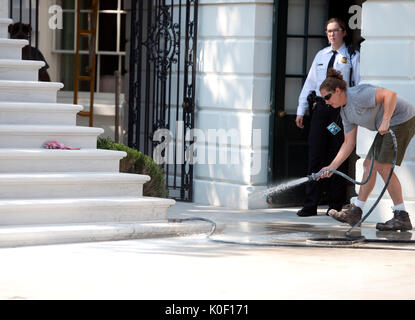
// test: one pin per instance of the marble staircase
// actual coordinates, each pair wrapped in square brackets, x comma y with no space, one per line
[57,196]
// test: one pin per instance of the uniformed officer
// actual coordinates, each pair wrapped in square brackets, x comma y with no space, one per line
[326,136]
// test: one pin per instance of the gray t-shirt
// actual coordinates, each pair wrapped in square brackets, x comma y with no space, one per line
[362,110]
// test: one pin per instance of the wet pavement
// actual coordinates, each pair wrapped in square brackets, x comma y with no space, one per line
[255,254]
[282,227]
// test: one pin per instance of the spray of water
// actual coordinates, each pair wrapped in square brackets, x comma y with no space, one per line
[279,188]
[287,185]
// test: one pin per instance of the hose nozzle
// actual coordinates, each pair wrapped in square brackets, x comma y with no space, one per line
[315,176]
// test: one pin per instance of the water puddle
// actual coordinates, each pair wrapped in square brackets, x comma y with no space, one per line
[274,233]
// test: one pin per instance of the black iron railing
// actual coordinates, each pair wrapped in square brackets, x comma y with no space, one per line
[26,12]
[162,83]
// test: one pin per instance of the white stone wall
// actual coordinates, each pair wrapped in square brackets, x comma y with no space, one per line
[4,9]
[387,60]
[233,89]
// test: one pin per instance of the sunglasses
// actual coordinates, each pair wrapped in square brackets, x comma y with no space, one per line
[328,96]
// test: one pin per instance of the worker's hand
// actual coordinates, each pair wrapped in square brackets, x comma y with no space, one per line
[299,122]
[384,127]
[326,173]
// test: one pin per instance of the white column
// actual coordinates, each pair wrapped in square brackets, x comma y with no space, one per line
[233,88]
[4,9]
[387,60]
[4,19]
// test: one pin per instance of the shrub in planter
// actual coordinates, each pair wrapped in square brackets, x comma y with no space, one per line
[136,162]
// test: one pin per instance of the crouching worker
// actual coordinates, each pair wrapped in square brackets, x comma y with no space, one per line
[376,109]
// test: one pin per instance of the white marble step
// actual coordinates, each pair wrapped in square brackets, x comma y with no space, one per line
[12,48]
[4,25]
[33,136]
[87,210]
[29,91]
[28,113]
[15,186]
[29,235]
[48,160]
[20,70]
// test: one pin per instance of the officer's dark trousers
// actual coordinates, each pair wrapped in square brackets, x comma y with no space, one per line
[323,147]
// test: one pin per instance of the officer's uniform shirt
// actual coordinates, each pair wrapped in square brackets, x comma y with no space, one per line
[318,72]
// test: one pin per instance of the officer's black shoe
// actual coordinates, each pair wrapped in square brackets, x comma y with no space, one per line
[307,212]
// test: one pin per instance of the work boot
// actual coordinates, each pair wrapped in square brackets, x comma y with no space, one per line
[350,214]
[400,221]
[337,208]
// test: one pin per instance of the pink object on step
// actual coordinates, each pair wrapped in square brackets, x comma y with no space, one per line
[57,145]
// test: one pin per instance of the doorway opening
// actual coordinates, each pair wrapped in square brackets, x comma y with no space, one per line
[299,34]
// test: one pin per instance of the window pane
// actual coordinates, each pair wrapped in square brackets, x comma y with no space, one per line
[65,36]
[318,17]
[108,4]
[67,71]
[296,17]
[122,33]
[314,45]
[123,70]
[107,32]
[293,88]
[295,47]
[108,65]
[86,4]
[66,4]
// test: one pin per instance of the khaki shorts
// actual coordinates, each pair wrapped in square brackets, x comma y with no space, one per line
[383,145]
